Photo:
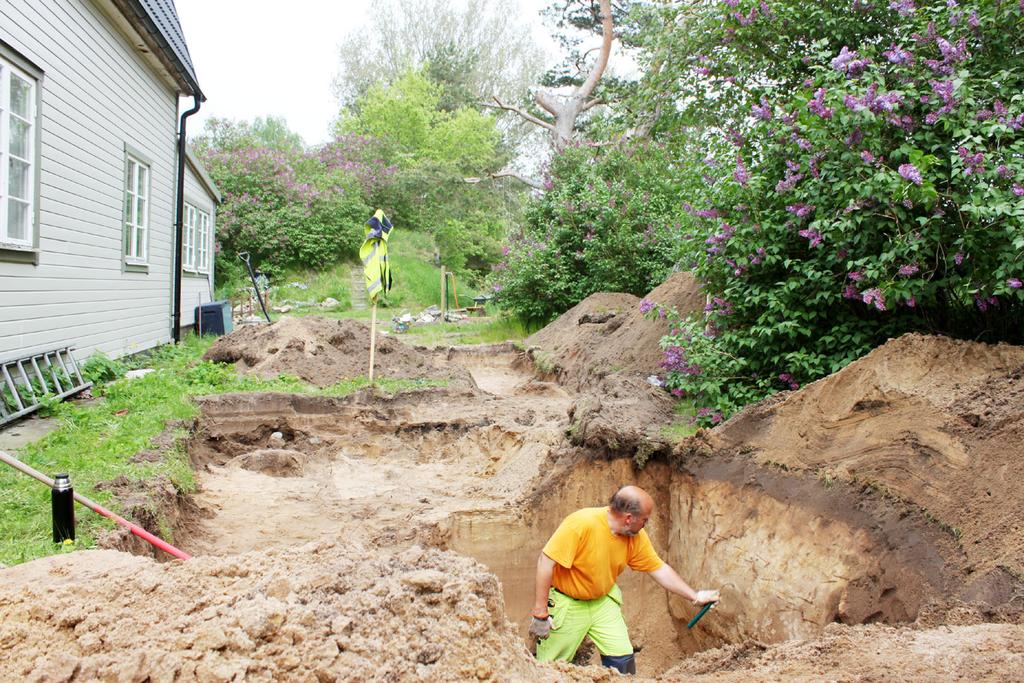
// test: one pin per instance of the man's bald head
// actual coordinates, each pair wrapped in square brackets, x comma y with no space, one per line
[632,500]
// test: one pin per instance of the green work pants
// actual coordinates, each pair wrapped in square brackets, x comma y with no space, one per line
[572,620]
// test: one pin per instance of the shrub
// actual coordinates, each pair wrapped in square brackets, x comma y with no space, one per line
[884,194]
[608,222]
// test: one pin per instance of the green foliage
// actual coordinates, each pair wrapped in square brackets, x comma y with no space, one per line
[99,368]
[871,185]
[433,149]
[608,222]
[286,206]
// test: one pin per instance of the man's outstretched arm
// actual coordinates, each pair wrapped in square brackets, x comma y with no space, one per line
[667,578]
[542,584]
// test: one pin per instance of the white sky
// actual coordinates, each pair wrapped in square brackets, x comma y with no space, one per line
[278,57]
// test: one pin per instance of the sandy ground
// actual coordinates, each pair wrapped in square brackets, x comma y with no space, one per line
[334,537]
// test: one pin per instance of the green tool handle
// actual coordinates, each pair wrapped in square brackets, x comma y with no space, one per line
[702,612]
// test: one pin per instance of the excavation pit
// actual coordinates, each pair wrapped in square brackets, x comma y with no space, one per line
[395,537]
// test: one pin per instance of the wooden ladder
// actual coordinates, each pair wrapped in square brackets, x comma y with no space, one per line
[26,381]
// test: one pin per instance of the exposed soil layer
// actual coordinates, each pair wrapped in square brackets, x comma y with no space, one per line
[323,352]
[333,536]
[933,425]
[607,334]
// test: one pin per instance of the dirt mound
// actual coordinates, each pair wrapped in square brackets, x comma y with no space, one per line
[606,333]
[929,423]
[322,352]
[989,652]
[276,462]
[316,612]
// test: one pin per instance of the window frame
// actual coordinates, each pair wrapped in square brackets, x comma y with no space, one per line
[196,238]
[136,259]
[203,242]
[188,238]
[24,250]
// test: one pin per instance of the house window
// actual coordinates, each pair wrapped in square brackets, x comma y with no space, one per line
[17,156]
[188,242]
[136,211]
[203,243]
[195,243]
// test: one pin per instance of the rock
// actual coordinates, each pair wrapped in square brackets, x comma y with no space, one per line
[282,309]
[329,302]
[135,374]
[426,580]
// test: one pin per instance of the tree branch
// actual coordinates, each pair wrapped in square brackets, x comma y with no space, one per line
[535,184]
[606,49]
[521,112]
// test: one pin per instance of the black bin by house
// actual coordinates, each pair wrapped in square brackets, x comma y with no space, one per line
[214,318]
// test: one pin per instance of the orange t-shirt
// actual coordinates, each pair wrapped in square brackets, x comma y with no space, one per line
[589,557]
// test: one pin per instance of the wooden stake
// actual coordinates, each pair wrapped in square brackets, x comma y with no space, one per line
[373,336]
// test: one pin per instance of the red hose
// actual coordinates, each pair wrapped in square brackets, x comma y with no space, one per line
[97,508]
[134,528]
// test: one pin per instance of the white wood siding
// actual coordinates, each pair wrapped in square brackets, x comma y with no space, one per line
[97,96]
[194,288]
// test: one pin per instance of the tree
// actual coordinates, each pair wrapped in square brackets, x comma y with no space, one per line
[563,109]
[434,150]
[475,49]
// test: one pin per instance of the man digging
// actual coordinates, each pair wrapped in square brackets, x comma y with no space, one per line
[576,594]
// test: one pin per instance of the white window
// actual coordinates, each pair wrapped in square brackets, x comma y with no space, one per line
[195,243]
[17,156]
[188,242]
[203,243]
[136,211]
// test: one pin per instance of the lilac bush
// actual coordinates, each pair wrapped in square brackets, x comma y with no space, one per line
[866,179]
[293,207]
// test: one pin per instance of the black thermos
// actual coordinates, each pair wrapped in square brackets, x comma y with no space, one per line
[62,498]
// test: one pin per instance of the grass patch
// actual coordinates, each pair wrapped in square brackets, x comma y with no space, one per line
[678,431]
[493,330]
[96,441]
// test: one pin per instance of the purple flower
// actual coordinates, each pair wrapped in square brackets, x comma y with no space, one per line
[817,104]
[973,163]
[740,175]
[785,378]
[800,210]
[850,292]
[1018,190]
[646,306]
[874,296]
[867,157]
[813,236]
[902,7]
[897,55]
[1004,171]
[1014,283]
[909,269]
[958,257]
[911,302]
[910,173]
[763,110]
[855,275]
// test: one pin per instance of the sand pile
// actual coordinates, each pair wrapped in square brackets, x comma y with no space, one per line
[322,352]
[929,422]
[606,333]
[317,612]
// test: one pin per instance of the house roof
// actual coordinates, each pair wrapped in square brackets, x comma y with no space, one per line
[204,177]
[157,22]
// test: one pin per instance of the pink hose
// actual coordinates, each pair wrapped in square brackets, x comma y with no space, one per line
[98,509]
